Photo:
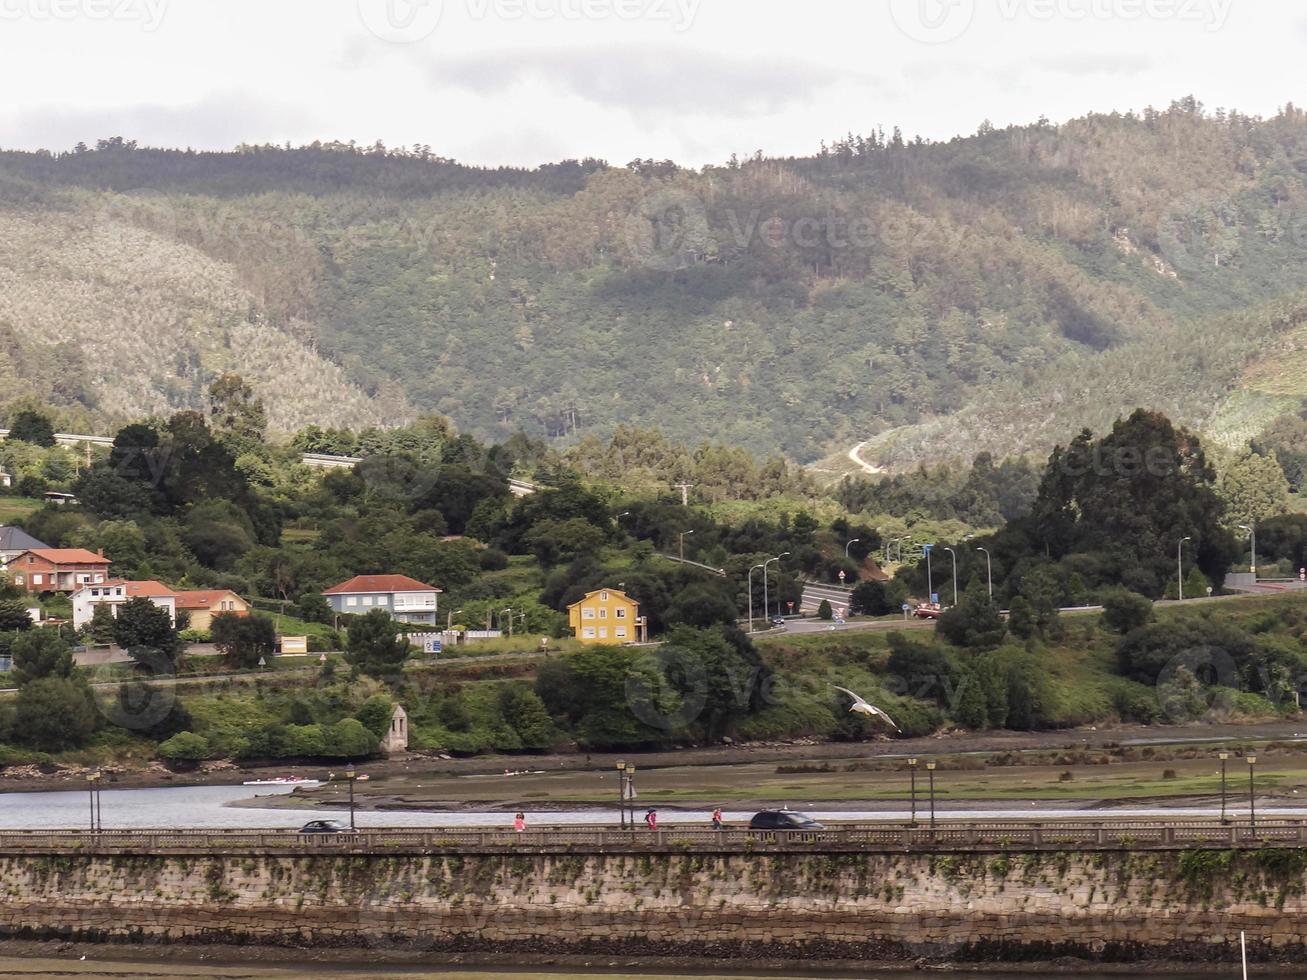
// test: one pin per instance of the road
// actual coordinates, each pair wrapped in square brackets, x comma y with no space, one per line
[855,454]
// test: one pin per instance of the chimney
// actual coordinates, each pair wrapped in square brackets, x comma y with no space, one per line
[99,552]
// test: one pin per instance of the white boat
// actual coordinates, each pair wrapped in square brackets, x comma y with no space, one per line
[283,781]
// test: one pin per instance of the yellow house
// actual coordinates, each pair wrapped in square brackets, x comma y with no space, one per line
[203,605]
[605,616]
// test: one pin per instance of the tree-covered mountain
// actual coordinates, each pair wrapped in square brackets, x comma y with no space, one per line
[996,292]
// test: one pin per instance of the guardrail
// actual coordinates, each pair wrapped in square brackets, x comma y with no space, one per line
[887,837]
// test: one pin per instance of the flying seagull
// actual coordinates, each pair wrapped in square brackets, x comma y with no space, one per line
[863,707]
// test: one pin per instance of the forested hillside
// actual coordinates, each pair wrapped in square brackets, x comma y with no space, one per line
[994,293]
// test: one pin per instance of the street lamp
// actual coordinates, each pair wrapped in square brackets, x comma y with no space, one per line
[766,601]
[449,618]
[930,580]
[509,610]
[930,771]
[989,572]
[751,597]
[912,768]
[621,791]
[1252,794]
[93,781]
[630,791]
[955,574]
[350,774]
[848,544]
[1225,757]
[1179,562]
[683,534]
[1252,549]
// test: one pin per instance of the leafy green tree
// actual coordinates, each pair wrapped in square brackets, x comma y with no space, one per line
[55,713]
[375,647]
[238,416]
[556,542]
[348,739]
[153,712]
[870,598]
[525,711]
[101,627]
[824,610]
[1254,489]
[14,615]
[1021,619]
[974,622]
[1124,611]
[145,630]
[313,607]
[244,640]
[376,713]
[39,654]
[32,426]
[185,747]
[702,605]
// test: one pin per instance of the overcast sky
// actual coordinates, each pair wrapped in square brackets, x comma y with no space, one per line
[528,81]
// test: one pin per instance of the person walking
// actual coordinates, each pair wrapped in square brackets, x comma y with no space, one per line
[717,819]
[519,822]
[651,819]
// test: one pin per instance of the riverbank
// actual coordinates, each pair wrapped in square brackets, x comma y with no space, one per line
[28,778]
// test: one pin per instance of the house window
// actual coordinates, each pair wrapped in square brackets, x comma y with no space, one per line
[587,613]
[603,632]
[367,600]
[98,578]
[18,580]
[603,613]
[588,633]
[620,632]
[36,579]
[620,612]
[95,592]
[118,591]
[603,596]
[352,601]
[31,560]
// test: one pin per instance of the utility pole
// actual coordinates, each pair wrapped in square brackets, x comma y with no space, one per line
[1179,562]
[685,492]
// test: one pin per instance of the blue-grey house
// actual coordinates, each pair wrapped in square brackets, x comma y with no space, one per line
[406,599]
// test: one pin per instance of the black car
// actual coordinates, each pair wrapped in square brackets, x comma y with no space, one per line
[325,827]
[783,820]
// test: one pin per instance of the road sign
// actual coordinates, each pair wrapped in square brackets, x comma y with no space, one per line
[432,644]
[790,603]
[841,575]
[934,597]
[906,607]
[926,548]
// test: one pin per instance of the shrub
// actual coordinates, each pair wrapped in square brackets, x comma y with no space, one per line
[185,747]
[824,611]
[1124,611]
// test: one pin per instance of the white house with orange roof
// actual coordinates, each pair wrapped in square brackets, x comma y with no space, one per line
[406,599]
[115,592]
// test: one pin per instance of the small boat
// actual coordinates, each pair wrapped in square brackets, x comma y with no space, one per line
[283,781]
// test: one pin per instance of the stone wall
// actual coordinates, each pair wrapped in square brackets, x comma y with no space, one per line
[1106,905]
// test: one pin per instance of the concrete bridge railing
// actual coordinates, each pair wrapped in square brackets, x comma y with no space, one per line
[895,837]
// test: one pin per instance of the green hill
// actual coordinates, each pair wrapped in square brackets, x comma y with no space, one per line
[994,292]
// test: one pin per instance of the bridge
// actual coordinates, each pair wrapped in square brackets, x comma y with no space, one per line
[889,837]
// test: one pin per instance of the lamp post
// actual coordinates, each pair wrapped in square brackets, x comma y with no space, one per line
[350,774]
[1225,757]
[955,574]
[683,534]
[509,610]
[1252,794]
[1179,563]
[930,579]
[449,618]
[751,570]
[766,601]
[621,791]
[989,572]
[848,544]
[93,785]
[912,768]
[1252,549]
[930,771]
[630,791]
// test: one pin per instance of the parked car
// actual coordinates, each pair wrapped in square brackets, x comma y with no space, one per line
[783,820]
[928,610]
[325,827]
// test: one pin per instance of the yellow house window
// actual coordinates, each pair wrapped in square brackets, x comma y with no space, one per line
[620,612]
[587,613]
[603,613]
[603,596]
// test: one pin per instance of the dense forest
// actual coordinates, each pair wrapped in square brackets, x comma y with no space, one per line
[996,292]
